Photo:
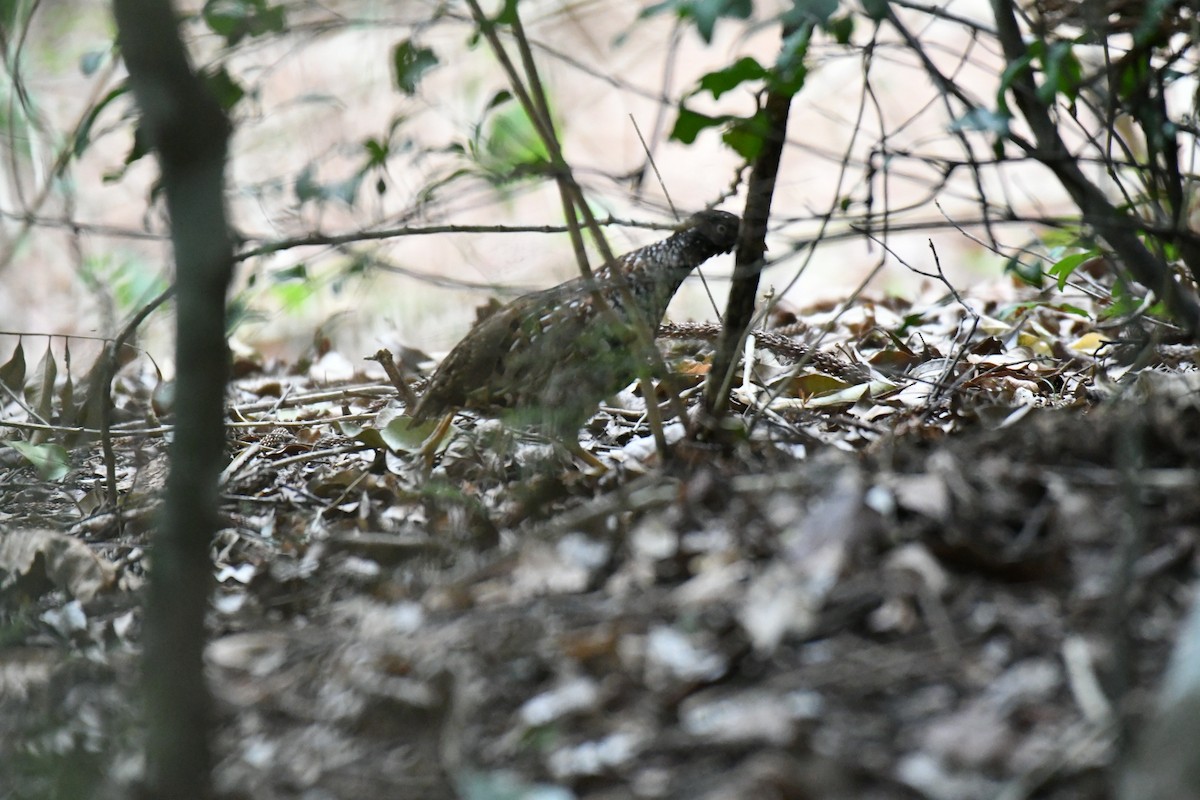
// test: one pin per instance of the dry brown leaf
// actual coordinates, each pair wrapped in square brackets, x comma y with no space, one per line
[37,557]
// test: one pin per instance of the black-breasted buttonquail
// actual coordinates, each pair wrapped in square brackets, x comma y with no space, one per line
[548,358]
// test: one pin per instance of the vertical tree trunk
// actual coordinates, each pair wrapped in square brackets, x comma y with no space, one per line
[190,133]
[748,257]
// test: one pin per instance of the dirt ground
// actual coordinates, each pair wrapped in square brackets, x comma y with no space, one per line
[953,568]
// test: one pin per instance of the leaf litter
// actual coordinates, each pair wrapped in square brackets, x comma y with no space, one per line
[949,559]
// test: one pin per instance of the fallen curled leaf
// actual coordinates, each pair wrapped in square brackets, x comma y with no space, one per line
[49,559]
[1089,343]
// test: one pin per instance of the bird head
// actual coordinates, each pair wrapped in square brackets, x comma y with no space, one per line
[719,227]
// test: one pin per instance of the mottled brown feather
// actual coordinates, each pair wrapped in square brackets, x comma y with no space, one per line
[549,357]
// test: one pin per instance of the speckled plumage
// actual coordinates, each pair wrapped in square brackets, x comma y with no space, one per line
[549,357]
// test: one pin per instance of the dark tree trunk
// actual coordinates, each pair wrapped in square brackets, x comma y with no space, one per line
[190,133]
[748,261]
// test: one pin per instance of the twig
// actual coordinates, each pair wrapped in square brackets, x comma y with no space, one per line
[108,370]
[385,360]
[573,199]
[1115,227]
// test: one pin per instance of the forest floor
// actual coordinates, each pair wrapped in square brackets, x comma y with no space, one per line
[953,567]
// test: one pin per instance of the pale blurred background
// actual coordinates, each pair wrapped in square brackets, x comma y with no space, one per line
[85,246]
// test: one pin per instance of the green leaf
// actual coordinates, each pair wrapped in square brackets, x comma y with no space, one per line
[689,124]
[808,13]
[877,10]
[82,136]
[377,152]
[1011,73]
[50,460]
[1151,16]
[292,296]
[234,20]
[307,187]
[841,29]
[982,119]
[707,12]
[746,136]
[411,62]
[1030,274]
[130,279]
[1064,74]
[790,71]
[141,147]
[404,436]
[508,14]
[1062,239]
[345,190]
[743,141]
[225,90]
[299,272]
[498,99]
[10,14]
[239,312]
[1011,311]
[1123,301]
[659,8]
[1133,73]
[724,80]
[704,13]
[1070,309]
[908,323]
[512,141]
[1063,268]
[371,437]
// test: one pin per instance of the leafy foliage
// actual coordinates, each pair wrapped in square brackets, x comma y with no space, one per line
[703,13]
[131,279]
[506,144]
[235,20]
[744,133]
[50,460]
[410,62]
[49,403]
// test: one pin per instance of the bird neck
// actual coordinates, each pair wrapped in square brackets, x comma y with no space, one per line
[653,282]
[655,272]
[659,289]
